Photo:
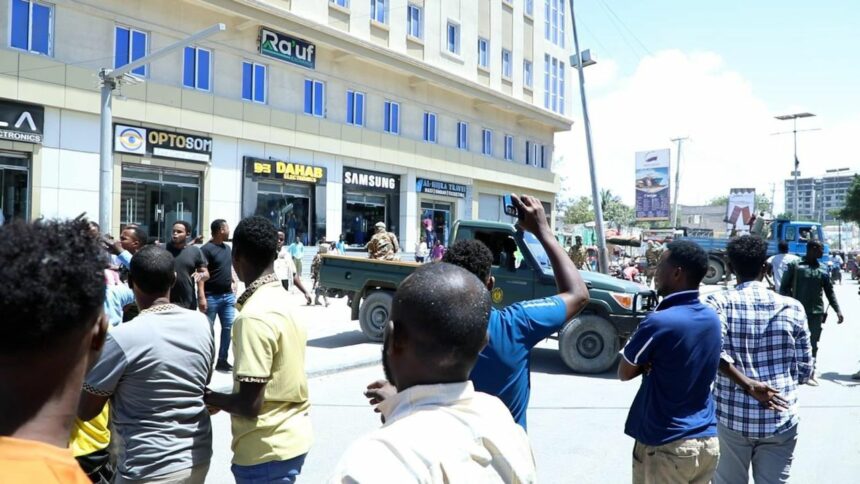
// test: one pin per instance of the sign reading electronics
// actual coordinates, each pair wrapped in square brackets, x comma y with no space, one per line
[370,180]
[436,187]
[164,144]
[286,48]
[284,170]
[21,122]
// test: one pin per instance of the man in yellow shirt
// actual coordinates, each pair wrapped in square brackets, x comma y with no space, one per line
[89,444]
[52,281]
[269,404]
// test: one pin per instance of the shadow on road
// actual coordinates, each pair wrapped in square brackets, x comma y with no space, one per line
[347,338]
[839,379]
[546,360]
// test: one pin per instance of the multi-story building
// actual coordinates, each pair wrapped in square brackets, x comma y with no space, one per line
[325,116]
[704,219]
[819,196]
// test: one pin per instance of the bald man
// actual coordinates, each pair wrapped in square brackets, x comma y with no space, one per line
[437,425]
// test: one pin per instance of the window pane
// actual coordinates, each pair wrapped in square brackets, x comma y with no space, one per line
[395,124]
[121,54]
[319,97]
[350,107]
[386,117]
[309,96]
[247,81]
[259,83]
[203,66]
[138,50]
[41,40]
[359,109]
[188,67]
[20,23]
[433,128]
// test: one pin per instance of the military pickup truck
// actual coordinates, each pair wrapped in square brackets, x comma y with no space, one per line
[589,343]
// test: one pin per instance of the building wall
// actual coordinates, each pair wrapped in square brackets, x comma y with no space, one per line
[818,197]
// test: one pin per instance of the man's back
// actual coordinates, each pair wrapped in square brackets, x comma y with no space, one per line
[441,433]
[765,334]
[269,346]
[780,263]
[681,343]
[155,369]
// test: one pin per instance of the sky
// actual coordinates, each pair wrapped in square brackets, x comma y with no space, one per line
[718,73]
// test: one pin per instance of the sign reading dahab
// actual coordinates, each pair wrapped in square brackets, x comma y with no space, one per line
[286,48]
[284,170]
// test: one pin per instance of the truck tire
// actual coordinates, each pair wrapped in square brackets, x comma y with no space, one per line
[715,272]
[588,344]
[374,314]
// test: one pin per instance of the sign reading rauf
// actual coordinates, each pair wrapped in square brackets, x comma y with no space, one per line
[288,49]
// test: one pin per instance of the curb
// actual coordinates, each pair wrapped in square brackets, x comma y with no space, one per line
[352,365]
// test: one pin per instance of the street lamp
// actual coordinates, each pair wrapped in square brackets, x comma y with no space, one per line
[579,61]
[796,172]
[110,81]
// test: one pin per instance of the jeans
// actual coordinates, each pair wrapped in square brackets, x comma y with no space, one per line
[285,471]
[224,306]
[770,457]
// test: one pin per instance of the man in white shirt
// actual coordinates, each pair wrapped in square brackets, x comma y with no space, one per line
[780,262]
[437,428]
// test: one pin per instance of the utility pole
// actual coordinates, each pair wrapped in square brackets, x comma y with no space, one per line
[680,141]
[580,63]
[772,199]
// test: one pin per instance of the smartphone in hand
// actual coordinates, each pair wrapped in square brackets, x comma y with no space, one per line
[510,208]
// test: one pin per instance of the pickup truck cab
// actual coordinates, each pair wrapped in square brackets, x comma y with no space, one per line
[589,343]
[796,233]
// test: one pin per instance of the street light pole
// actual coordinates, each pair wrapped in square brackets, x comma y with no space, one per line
[680,141]
[110,81]
[796,171]
[579,65]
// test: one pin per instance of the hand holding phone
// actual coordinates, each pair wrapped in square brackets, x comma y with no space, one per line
[510,208]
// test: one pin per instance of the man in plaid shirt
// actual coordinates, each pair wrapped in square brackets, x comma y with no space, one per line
[766,355]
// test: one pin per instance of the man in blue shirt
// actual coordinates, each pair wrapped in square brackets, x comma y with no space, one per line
[676,349]
[502,368]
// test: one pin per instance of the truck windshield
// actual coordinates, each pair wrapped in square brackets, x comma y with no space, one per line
[536,249]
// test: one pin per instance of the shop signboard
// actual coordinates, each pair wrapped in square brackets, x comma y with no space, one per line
[652,185]
[161,143]
[284,170]
[436,187]
[21,122]
[370,180]
[287,48]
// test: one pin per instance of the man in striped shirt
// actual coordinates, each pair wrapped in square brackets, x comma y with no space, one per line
[766,354]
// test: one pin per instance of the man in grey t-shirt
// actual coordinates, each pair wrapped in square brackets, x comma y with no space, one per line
[153,369]
[777,264]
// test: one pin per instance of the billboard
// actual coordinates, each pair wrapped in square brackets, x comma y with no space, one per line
[740,209]
[652,185]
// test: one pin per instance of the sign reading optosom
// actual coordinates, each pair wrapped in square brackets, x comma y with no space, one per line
[283,170]
[286,48]
[161,143]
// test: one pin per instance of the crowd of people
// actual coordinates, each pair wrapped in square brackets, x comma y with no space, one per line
[110,351]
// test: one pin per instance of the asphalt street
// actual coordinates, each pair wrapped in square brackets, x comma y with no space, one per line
[576,422]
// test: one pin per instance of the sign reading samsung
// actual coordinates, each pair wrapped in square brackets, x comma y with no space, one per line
[436,187]
[353,177]
[161,143]
[21,122]
[288,49]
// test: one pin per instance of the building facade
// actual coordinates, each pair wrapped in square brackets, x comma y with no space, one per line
[324,116]
[818,197]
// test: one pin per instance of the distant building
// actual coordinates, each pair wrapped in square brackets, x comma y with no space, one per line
[704,218]
[817,197]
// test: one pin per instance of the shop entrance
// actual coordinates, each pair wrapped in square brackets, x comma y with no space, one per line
[436,222]
[14,187]
[360,214]
[288,207]
[156,199]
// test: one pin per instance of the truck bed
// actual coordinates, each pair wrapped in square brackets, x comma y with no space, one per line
[718,245]
[348,273]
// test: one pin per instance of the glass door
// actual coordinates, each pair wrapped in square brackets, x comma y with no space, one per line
[14,187]
[157,199]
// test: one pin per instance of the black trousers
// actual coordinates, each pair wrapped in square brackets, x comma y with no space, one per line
[97,466]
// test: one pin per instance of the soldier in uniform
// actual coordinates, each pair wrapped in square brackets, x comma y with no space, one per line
[577,253]
[315,275]
[383,245]
[652,258]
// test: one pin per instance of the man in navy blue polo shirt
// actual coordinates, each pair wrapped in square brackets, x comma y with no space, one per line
[676,349]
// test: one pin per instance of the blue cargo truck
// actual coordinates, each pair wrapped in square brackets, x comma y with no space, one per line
[797,234]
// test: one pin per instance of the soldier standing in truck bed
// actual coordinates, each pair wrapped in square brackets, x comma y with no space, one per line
[383,245]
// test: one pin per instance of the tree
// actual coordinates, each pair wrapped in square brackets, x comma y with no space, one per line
[581,210]
[851,211]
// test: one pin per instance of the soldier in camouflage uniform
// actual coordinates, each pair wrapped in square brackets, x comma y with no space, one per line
[652,258]
[577,253]
[383,245]
[315,275]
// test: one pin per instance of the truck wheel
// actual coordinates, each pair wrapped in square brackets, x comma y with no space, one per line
[715,272]
[374,314]
[588,344]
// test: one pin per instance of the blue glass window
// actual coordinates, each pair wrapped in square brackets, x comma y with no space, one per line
[391,121]
[130,46]
[487,142]
[314,98]
[430,129]
[253,82]
[453,38]
[483,52]
[509,147]
[463,135]
[31,26]
[355,108]
[377,11]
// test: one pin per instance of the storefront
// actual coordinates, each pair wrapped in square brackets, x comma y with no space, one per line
[369,197]
[438,208]
[156,194]
[22,123]
[291,195]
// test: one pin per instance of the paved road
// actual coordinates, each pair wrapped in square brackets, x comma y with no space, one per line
[576,422]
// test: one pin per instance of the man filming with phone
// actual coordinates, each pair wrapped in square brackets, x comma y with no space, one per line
[503,366]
